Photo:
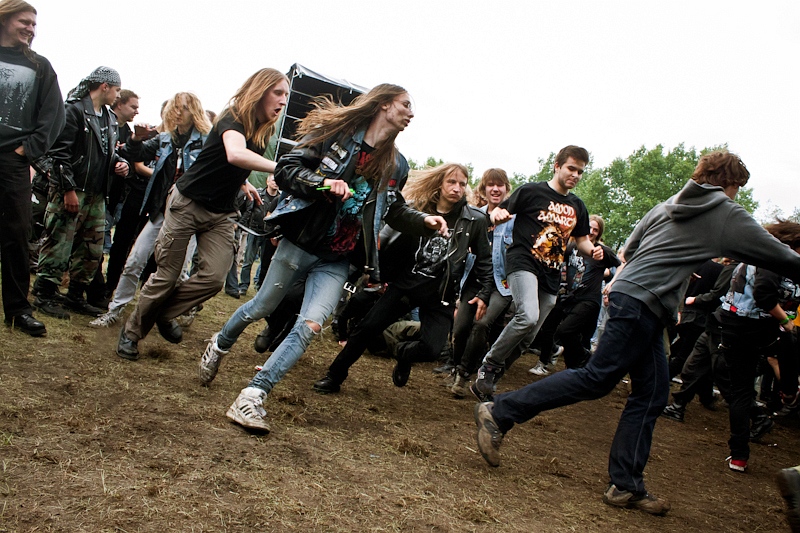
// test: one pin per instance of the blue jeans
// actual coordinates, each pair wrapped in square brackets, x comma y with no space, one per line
[532,307]
[251,253]
[632,344]
[324,283]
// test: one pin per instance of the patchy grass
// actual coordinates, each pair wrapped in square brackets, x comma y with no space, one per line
[91,442]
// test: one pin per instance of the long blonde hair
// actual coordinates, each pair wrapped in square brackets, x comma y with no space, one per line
[199,118]
[424,188]
[242,107]
[328,120]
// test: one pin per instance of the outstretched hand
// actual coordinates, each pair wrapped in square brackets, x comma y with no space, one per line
[142,132]
[481,310]
[251,193]
[437,223]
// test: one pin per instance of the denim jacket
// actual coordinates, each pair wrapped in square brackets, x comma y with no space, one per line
[501,240]
[159,149]
[302,170]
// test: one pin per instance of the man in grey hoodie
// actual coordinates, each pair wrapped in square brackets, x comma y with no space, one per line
[700,222]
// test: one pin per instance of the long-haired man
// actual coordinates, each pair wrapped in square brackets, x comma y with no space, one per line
[32,120]
[426,273]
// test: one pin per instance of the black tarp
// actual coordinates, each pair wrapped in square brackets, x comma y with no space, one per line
[304,86]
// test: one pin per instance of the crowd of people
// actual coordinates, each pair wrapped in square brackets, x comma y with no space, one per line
[411,266]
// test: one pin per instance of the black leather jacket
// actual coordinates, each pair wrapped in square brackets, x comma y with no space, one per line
[78,159]
[304,214]
[468,235]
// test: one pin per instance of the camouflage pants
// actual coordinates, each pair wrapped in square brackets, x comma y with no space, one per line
[73,242]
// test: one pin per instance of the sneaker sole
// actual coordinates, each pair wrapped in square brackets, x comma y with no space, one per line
[233,415]
[494,463]
[459,394]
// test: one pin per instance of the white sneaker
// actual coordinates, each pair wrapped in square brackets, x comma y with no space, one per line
[539,370]
[108,319]
[209,363]
[247,410]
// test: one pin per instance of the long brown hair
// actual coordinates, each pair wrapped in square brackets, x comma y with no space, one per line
[12,7]
[328,120]
[785,231]
[242,107]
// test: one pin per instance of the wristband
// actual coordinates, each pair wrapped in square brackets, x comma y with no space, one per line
[784,321]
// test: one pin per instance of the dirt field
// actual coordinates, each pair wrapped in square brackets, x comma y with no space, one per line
[90,442]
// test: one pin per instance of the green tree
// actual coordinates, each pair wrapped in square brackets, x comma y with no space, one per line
[628,188]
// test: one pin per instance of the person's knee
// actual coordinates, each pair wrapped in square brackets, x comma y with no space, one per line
[313,326]
[527,315]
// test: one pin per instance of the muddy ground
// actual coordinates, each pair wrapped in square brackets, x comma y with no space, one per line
[91,442]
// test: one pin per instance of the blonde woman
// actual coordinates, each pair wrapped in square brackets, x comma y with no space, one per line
[201,204]
[174,151]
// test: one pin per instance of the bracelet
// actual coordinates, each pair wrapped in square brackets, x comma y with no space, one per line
[784,321]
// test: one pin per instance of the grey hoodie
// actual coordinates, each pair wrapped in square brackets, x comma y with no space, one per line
[677,236]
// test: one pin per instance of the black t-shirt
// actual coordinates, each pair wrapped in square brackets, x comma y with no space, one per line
[583,277]
[545,221]
[212,181]
[426,258]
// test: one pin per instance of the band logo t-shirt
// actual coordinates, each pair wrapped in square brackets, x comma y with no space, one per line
[545,221]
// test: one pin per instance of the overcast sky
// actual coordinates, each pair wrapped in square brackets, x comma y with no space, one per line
[495,84]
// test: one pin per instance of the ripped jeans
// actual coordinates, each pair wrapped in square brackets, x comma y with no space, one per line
[324,283]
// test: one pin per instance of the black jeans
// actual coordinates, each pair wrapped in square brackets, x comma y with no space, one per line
[436,320]
[15,228]
[127,229]
[682,347]
[469,335]
[570,324]
[702,369]
[742,347]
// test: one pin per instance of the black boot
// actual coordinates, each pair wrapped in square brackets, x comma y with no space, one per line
[48,299]
[76,302]
[263,340]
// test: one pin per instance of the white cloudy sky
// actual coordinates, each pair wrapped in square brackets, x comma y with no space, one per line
[496,84]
